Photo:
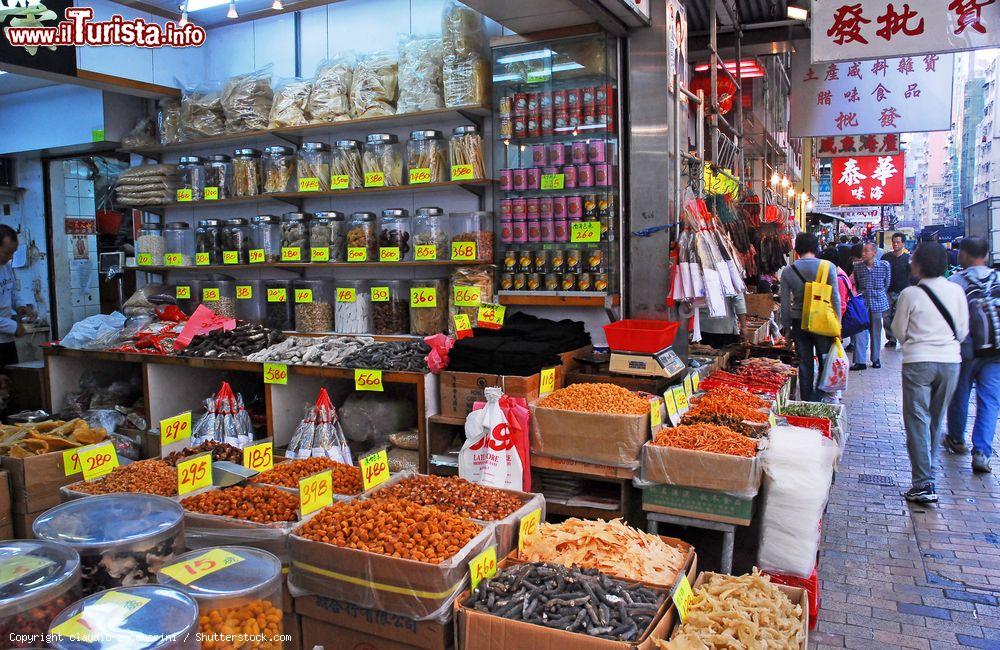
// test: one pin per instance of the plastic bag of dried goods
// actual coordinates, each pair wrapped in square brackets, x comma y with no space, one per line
[419,73]
[465,70]
[142,134]
[202,115]
[329,440]
[329,100]
[375,85]
[246,100]
[490,455]
[291,99]
[168,121]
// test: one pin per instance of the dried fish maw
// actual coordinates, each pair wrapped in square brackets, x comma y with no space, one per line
[45,427]
[62,429]
[17,452]
[13,438]
[88,436]
[54,443]
[35,445]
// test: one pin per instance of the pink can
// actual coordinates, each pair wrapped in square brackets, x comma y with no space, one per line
[520,235]
[519,209]
[595,151]
[539,155]
[550,170]
[578,153]
[545,208]
[534,180]
[506,180]
[532,208]
[506,230]
[574,208]
[557,154]
[602,175]
[534,230]
[547,227]
[569,176]
[520,179]
[506,209]
[559,207]
[584,175]
[560,230]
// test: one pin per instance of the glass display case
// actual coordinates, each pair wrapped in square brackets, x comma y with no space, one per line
[557,157]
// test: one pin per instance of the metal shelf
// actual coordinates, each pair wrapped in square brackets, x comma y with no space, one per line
[304,265]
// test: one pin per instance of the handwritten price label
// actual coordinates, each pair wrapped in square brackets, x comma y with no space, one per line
[548,381]
[112,609]
[462,324]
[771,420]
[423,297]
[257,256]
[275,373]
[210,295]
[374,179]
[340,182]
[553,181]
[695,381]
[194,473]
[319,254]
[17,566]
[198,567]
[98,460]
[668,398]
[230,257]
[175,428]
[655,414]
[357,254]
[462,173]
[315,492]
[345,294]
[184,196]
[173,259]
[483,566]
[309,185]
[291,254]
[277,295]
[375,469]
[145,259]
[259,457]
[303,296]
[244,291]
[463,251]
[687,385]
[585,231]
[466,296]
[425,253]
[490,315]
[183,292]
[201,259]
[380,294]
[682,596]
[420,175]
[211,194]
[680,397]
[368,380]
[389,254]
[71,462]
[529,526]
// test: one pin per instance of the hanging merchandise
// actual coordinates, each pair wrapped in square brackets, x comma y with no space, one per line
[495,452]
[225,420]
[319,433]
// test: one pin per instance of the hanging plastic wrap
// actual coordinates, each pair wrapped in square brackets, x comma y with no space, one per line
[419,74]
[246,100]
[329,100]
[375,85]
[202,115]
[142,134]
[465,71]
[291,101]
[225,420]
[319,433]
[168,121]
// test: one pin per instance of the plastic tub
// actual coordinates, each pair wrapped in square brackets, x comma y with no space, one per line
[179,240]
[150,245]
[250,300]
[120,537]
[142,617]
[295,236]
[47,582]
[208,242]
[313,305]
[638,335]
[354,307]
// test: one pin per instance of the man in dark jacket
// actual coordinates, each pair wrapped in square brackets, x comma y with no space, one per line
[844,255]
[899,267]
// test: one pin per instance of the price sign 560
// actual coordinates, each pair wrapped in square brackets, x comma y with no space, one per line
[368,380]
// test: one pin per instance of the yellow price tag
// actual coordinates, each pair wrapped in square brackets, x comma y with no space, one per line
[695,381]
[210,294]
[183,292]
[173,259]
[491,315]
[340,182]
[380,294]
[201,259]
[389,254]
[275,373]
[257,256]
[462,323]
[194,473]
[374,179]
[423,297]
[462,173]
[277,295]
[211,194]
[466,296]
[347,294]
[357,254]
[668,399]
[655,414]
[98,460]
[259,457]
[17,566]
[112,609]
[319,254]
[244,291]
[680,397]
[309,185]
[303,296]
[687,385]
[71,462]
[553,181]
[529,526]
[375,469]
[198,567]
[548,381]
[315,492]
[483,566]
[682,596]
[425,253]
[184,196]
[145,259]
[420,175]
[230,257]
[771,420]
[291,254]
[585,231]
[463,251]
[368,380]
[175,428]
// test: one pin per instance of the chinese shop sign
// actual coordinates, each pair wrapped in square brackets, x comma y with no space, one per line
[867,180]
[847,30]
[879,144]
[860,98]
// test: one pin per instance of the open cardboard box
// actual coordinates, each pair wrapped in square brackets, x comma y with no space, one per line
[734,475]
[359,627]
[600,438]
[35,481]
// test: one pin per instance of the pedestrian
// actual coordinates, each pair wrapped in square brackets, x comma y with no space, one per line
[830,253]
[727,329]
[810,346]
[871,277]
[844,254]
[981,369]
[11,309]
[931,320]
[899,267]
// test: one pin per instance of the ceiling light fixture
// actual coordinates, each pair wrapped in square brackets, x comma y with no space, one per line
[775,178]
[198,5]
[232,10]
[184,13]
[797,13]
[277,6]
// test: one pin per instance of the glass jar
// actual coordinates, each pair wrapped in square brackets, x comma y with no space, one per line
[178,241]
[250,300]
[354,307]
[425,157]
[327,237]
[469,288]
[345,166]
[431,235]
[218,177]
[466,151]
[219,296]
[313,168]
[313,305]
[188,295]
[294,236]
[279,169]
[191,170]
[382,161]
[475,227]
[428,307]
[247,173]
[237,597]
[390,306]
[278,304]
[235,241]
[43,578]
[139,531]
[208,242]
[141,617]
[150,245]
[362,240]
[394,236]
[265,239]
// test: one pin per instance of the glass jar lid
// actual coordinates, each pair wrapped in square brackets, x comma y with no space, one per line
[314,146]
[220,157]
[108,519]
[296,216]
[430,134]
[238,221]
[150,225]
[330,215]
[279,150]
[209,223]
[192,160]
[33,572]
[178,225]
[265,218]
[363,216]
[348,144]
[465,130]
[382,138]
[246,572]
[247,152]
[430,211]
[395,213]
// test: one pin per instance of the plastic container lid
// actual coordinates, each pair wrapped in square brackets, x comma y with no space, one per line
[382,138]
[219,157]
[254,153]
[348,144]
[150,225]
[105,520]
[279,150]
[192,160]
[430,134]
[238,221]
[256,574]
[163,618]
[33,572]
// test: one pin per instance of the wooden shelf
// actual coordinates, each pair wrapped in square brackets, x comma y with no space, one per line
[448,420]
[583,512]
[555,298]
[590,470]
[303,265]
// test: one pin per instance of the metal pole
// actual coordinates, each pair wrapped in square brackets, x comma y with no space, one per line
[714,65]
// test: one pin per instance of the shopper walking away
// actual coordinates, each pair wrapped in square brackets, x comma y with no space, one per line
[725,330]
[980,356]
[830,253]
[931,320]
[844,254]
[793,280]
[11,310]
[871,277]
[899,267]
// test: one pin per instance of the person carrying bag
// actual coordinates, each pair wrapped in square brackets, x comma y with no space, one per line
[818,315]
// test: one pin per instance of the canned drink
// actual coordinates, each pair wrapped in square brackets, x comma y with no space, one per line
[534,230]
[589,207]
[520,179]
[578,153]
[524,261]
[506,180]
[590,115]
[545,206]
[521,104]
[595,259]
[574,208]
[606,234]
[520,232]
[506,208]
[605,117]
[557,154]
[595,151]
[560,120]
[506,106]
[532,208]
[584,175]
[600,282]
[558,261]
[548,124]
[574,99]
[533,103]
[534,281]
[583,282]
[539,155]
[604,95]
[506,127]
[589,96]
[520,126]
[534,177]
[545,101]
[506,230]
[559,207]
[575,119]
[520,279]
[602,175]
[506,281]
[568,282]
[551,282]
[509,260]
[569,176]
[519,209]
[547,227]
[559,100]
[541,261]
[573,260]
[534,126]
[604,205]
[560,230]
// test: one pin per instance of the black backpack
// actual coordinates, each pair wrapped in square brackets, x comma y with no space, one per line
[984,314]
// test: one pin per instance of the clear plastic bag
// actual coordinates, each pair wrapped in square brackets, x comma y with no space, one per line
[246,100]
[201,114]
[465,71]
[375,85]
[94,332]
[168,121]
[291,102]
[329,100]
[142,134]
[419,74]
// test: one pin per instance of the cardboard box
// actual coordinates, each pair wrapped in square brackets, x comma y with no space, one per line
[600,438]
[35,481]
[374,625]
[701,469]
[7,531]
[698,504]
[461,390]
[291,624]
[760,304]
[333,637]
[5,501]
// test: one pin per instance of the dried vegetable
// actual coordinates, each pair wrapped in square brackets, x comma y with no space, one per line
[258,503]
[346,478]
[745,611]
[147,476]
[36,438]
[612,547]
[596,398]
[811,410]
[731,408]
[391,527]
[707,437]
[455,495]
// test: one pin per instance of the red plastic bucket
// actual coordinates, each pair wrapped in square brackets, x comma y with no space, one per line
[637,335]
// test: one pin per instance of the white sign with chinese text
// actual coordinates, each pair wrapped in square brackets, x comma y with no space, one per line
[848,30]
[881,144]
[859,215]
[901,95]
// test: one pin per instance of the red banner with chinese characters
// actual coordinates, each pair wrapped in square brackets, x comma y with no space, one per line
[879,144]
[867,180]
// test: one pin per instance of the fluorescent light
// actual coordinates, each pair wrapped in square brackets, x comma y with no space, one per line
[526,56]
[563,67]
[510,76]
[3,72]
[797,13]
[198,5]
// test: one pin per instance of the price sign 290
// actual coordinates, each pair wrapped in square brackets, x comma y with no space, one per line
[175,428]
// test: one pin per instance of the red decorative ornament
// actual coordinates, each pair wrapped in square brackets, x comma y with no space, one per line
[727,89]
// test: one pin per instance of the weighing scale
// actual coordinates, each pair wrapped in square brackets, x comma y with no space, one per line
[644,348]
[664,363]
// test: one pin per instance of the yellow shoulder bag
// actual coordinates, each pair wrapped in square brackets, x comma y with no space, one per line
[818,315]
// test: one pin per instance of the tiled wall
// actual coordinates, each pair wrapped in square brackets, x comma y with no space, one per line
[76,281]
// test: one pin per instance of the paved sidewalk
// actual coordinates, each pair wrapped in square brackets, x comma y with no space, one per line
[894,575]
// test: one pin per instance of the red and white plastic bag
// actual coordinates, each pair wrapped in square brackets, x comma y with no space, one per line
[496,448]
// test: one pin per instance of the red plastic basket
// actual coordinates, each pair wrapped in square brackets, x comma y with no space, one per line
[637,335]
[810,584]
[820,424]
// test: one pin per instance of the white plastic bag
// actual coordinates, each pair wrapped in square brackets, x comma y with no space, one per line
[835,369]
[489,456]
